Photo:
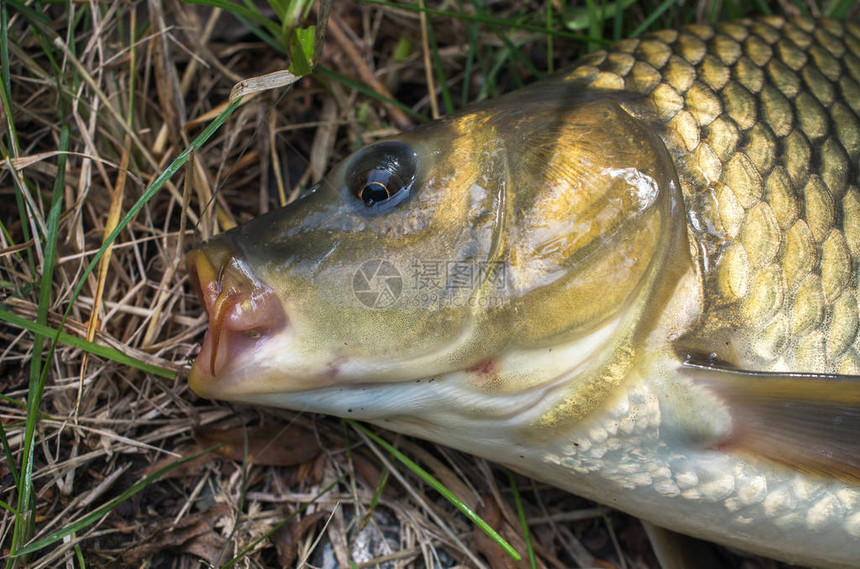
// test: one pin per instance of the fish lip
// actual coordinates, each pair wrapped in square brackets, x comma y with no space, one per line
[244,314]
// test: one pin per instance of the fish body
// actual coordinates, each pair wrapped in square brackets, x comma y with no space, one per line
[636,281]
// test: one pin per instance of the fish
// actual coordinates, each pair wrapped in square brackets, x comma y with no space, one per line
[636,281]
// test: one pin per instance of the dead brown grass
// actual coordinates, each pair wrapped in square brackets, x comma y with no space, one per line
[135,85]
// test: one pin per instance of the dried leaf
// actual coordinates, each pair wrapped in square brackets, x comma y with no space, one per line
[287,537]
[272,446]
[275,80]
[370,473]
[194,534]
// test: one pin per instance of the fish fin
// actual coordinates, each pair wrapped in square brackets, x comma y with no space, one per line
[810,422]
[678,551]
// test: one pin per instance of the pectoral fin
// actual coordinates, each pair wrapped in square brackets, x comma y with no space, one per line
[807,421]
[679,551]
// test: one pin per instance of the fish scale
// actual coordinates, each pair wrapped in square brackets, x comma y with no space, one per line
[762,119]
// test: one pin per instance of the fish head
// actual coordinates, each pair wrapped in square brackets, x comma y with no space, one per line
[437,254]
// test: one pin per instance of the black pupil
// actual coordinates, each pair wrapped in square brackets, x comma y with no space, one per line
[381,171]
[374,192]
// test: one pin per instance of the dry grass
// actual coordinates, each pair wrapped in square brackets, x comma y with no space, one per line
[134,82]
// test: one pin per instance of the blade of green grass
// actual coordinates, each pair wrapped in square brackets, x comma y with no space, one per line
[377,494]
[4,49]
[439,487]
[487,86]
[25,521]
[480,19]
[838,9]
[29,13]
[99,350]
[521,514]
[652,17]
[549,38]
[50,255]
[264,35]
[5,89]
[595,24]
[471,57]
[99,513]
[252,14]
[364,89]
[439,68]
[10,458]
[517,54]
[12,151]
[7,507]
[511,51]
[580,18]
[503,57]
[801,7]
[618,21]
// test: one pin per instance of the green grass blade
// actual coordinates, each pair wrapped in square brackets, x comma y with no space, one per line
[595,24]
[105,352]
[377,494]
[652,17]
[364,89]
[761,7]
[7,507]
[519,55]
[50,253]
[488,89]
[13,402]
[521,514]
[439,69]
[838,9]
[549,38]
[10,458]
[480,19]
[264,36]
[439,487]
[578,18]
[97,514]
[237,9]
[471,56]
[802,7]
[29,13]
[301,48]
[6,153]
[38,372]
[4,48]
[79,555]
[618,20]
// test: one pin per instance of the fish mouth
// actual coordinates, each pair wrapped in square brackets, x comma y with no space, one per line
[243,314]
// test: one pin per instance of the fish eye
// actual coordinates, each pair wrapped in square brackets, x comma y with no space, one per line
[382,172]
